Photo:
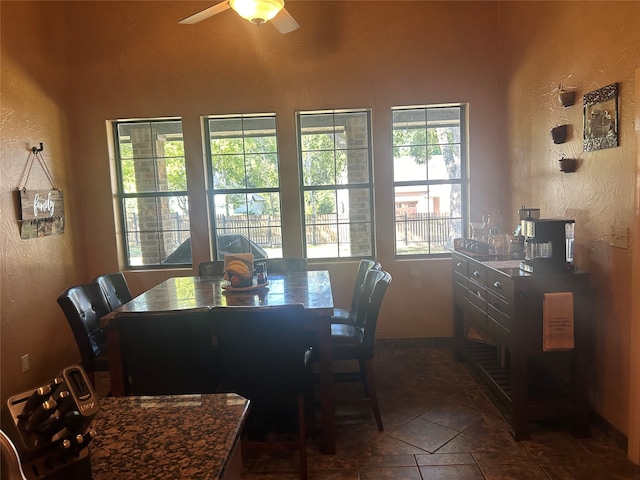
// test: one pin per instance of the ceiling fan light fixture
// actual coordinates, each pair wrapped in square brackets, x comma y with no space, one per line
[257,11]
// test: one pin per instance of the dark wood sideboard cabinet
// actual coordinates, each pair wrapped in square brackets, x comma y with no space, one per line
[498,328]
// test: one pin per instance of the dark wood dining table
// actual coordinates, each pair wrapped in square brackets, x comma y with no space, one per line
[312,289]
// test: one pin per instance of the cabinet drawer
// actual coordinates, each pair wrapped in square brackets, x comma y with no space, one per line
[476,315]
[460,265]
[459,290]
[500,284]
[478,273]
[460,279]
[499,303]
[499,310]
[477,296]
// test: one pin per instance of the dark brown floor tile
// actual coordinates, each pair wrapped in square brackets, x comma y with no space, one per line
[390,473]
[452,472]
[491,442]
[519,471]
[388,461]
[502,457]
[263,461]
[453,417]
[445,459]
[429,402]
[623,470]
[388,445]
[271,476]
[475,399]
[602,447]
[331,462]
[406,402]
[348,474]
[351,440]
[577,471]
[424,434]
[557,447]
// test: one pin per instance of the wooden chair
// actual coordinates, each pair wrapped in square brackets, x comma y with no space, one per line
[168,353]
[341,315]
[263,353]
[357,341]
[115,289]
[214,268]
[284,265]
[83,306]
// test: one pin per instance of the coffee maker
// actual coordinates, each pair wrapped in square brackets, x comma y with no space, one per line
[548,245]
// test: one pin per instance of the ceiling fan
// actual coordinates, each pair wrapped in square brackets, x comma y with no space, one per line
[256,11]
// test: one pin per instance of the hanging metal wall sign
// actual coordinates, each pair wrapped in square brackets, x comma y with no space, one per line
[41,211]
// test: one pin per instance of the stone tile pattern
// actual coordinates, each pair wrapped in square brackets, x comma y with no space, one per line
[440,424]
[166,437]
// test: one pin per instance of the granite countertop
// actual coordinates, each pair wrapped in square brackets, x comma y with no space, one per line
[166,437]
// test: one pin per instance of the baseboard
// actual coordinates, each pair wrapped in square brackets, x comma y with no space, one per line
[618,438]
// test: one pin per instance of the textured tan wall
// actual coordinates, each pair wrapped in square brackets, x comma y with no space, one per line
[583,45]
[33,272]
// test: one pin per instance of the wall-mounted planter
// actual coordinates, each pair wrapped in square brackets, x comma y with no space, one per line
[568,165]
[559,133]
[567,98]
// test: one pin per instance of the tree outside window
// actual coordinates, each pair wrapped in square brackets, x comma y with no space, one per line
[335,161]
[243,171]
[152,190]
[429,145]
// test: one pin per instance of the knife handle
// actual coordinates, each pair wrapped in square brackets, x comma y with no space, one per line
[38,396]
[40,414]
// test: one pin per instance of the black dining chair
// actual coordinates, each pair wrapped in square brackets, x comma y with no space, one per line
[341,315]
[214,268]
[356,342]
[168,353]
[83,306]
[115,289]
[263,356]
[285,265]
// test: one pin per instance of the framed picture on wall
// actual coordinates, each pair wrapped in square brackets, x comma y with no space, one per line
[601,118]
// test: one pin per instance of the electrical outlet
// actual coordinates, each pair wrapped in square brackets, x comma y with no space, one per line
[619,237]
[25,363]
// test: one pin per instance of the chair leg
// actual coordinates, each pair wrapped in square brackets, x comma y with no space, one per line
[302,422]
[370,387]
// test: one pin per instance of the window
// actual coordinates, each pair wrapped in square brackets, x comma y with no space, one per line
[429,152]
[335,156]
[245,187]
[153,192]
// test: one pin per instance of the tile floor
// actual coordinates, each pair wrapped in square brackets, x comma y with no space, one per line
[440,425]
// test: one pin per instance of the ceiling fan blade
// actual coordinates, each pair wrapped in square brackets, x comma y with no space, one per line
[206,13]
[284,22]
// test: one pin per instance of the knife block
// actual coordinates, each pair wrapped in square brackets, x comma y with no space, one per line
[52,442]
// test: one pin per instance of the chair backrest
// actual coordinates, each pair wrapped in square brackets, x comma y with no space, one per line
[382,280]
[363,267]
[115,289]
[211,269]
[84,305]
[168,353]
[261,350]
[284,265]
